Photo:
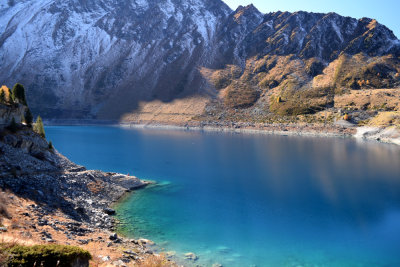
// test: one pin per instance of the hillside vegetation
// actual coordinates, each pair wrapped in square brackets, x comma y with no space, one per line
[293,89]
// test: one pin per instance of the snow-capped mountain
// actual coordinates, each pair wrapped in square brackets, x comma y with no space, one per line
[101,58]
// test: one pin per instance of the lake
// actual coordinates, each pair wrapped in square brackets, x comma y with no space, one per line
[251,199]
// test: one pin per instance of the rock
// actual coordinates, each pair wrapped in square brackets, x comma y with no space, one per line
[126,260]
[170,254]
[119,263]
[80,210]
[130,252]
[223,249]
[105,258]
[144,241]
[109,211]
[42,222]
[191,256]
[109,244]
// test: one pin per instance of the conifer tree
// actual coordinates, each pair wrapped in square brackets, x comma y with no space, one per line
[2,96]
[18,94]
[38,127]
[28,117]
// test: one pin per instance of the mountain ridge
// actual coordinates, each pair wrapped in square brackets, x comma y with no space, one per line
[104,59]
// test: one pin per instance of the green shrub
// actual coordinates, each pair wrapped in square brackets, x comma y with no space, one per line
[39,128]
[44,255]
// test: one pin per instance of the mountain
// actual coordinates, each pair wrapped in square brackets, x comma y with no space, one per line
[135,59]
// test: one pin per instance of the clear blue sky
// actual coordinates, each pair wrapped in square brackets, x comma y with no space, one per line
[387,12]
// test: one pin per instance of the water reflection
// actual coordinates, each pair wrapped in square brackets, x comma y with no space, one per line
[269,199]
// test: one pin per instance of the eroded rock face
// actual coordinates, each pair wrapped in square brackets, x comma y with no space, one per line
[7,113]
[101,59]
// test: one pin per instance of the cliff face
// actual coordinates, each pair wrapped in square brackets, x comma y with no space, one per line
[80,58]
[7,113]
[103,59]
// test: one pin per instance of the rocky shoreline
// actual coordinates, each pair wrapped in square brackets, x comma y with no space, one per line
[53,200]
[342,129]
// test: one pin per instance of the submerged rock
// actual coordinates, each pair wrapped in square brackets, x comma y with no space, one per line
[144,241]
[191,256]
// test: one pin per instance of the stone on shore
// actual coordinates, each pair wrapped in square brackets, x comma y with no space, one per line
[109,211]
[144,241]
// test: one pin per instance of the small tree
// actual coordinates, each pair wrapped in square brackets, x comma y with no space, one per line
[51,145]
[28,117]
[18,94]
[2,96]
[39,128]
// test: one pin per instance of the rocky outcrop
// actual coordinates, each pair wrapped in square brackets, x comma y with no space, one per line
[28,167]
[7,113]
[103,59]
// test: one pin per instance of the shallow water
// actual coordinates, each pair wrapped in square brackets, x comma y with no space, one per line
[252,200]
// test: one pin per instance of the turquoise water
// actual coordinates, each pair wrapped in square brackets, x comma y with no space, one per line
[252,200]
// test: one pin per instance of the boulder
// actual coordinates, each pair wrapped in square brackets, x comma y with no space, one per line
[109,211]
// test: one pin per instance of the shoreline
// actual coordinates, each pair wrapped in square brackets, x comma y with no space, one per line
[75,210]
[341,129]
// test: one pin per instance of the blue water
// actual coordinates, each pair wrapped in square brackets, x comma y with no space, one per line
[252,200]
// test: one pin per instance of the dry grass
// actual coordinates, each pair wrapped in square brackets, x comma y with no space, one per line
[4,214]
[95,187]
[386,119]
[155,261]
[371,99]
[222,78]
[175,112]
[240,95]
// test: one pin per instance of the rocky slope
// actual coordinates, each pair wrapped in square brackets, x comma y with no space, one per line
[137,60]
[45,198]
[28,166]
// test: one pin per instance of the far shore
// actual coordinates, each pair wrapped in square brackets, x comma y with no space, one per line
[341,129]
